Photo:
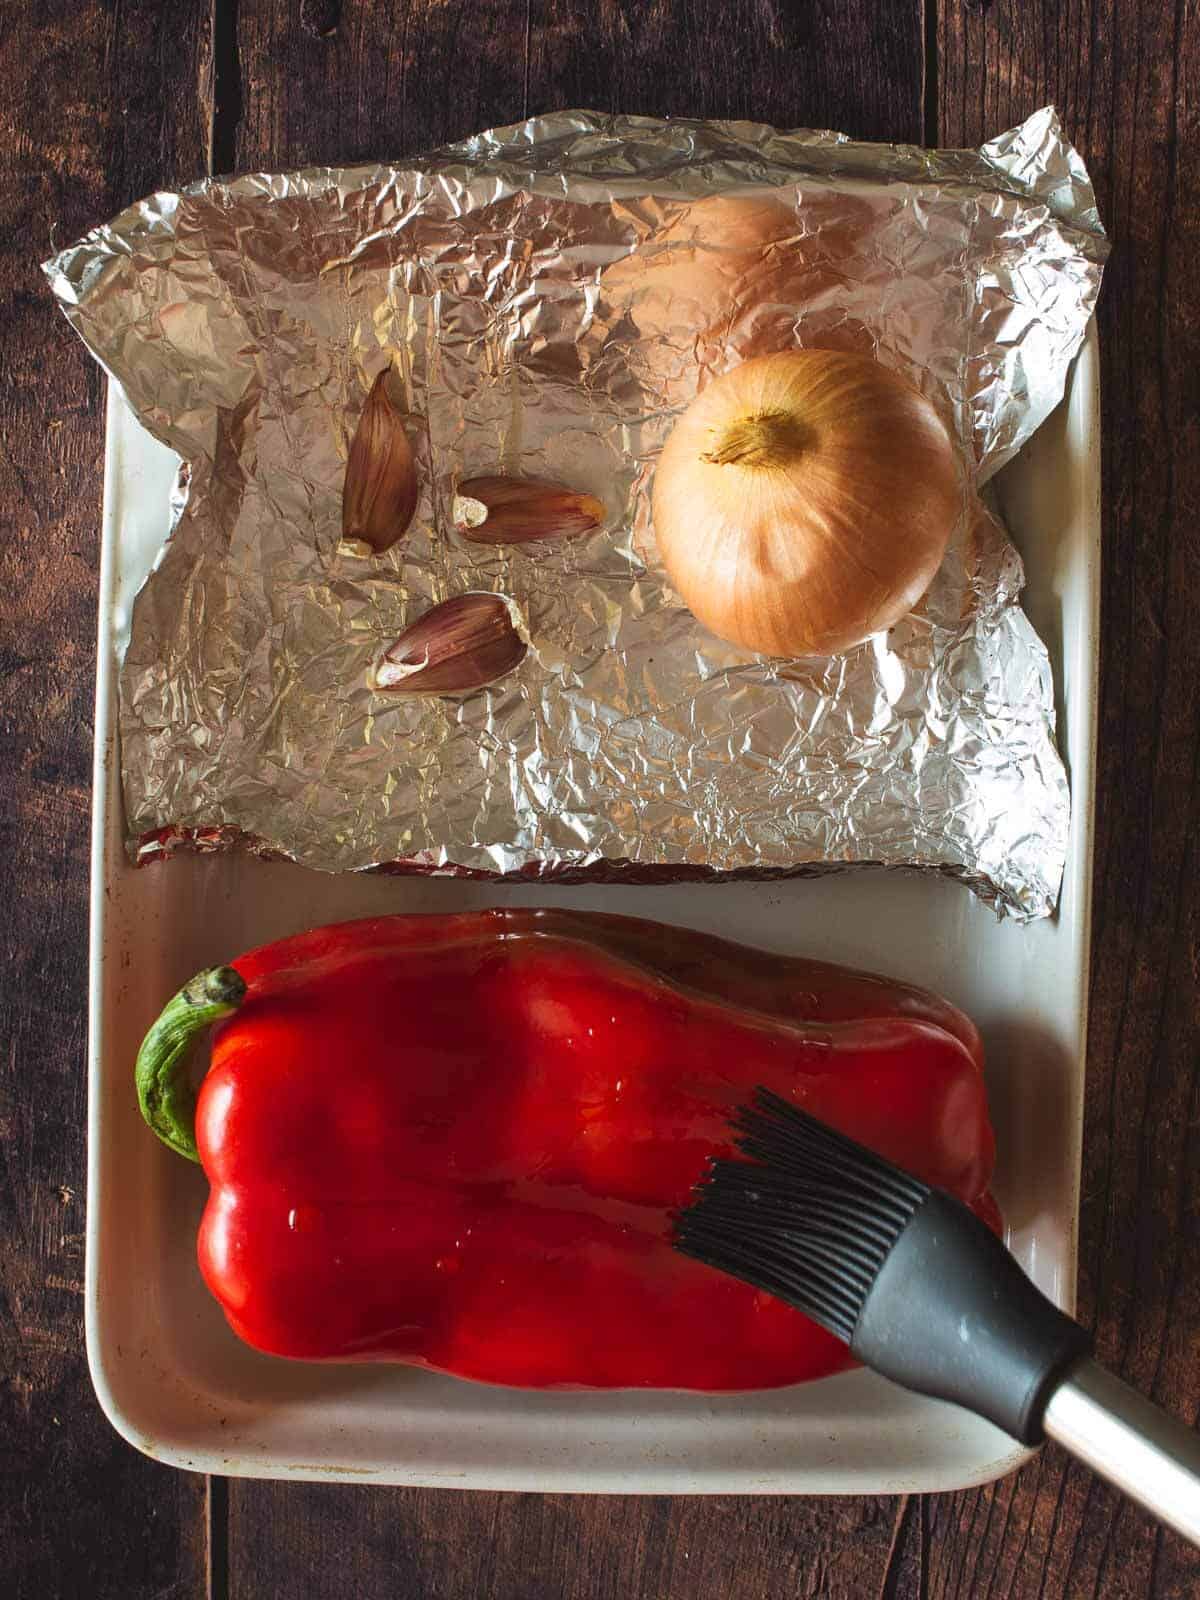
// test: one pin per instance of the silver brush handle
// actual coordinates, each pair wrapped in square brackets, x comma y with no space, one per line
[1150,1456]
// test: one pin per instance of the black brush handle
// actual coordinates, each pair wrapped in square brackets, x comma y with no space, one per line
[952,1315]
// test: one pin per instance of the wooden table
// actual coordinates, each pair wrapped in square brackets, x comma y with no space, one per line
[104,100]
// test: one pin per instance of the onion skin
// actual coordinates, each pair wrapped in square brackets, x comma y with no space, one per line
[732,277]
[804,502]
[686,274]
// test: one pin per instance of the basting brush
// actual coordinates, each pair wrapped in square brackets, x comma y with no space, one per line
[923,1292]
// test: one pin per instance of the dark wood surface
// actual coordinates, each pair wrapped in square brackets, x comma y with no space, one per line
[104,100]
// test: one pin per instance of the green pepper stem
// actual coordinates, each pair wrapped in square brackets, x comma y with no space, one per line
[164,1090]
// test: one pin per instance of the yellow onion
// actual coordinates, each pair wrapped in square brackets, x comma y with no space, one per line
[804,501]
[731,277]
[684,274]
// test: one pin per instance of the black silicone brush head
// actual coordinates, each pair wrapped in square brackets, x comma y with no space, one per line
[907,1275]
[810,1216]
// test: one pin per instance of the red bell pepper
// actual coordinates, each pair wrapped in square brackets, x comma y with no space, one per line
[459,1141]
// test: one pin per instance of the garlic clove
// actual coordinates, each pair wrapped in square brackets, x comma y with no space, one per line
[380,491]
[502,510]
[461,645]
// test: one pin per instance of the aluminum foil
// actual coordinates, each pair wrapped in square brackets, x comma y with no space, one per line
[512,279]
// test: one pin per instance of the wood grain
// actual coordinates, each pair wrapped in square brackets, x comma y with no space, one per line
[374,78]
[1126,79]
[98,107]
[764,60]
[456,1546]
[378,78]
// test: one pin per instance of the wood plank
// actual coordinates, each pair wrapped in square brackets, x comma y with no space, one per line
[422,1545]
[376,79]
[337,82]
[769,62]
[333,82]
[1125,78]
[101,103]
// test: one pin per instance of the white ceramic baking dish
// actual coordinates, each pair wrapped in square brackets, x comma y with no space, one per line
[178,1385]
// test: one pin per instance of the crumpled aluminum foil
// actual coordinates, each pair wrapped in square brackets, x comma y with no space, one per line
[245,321]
